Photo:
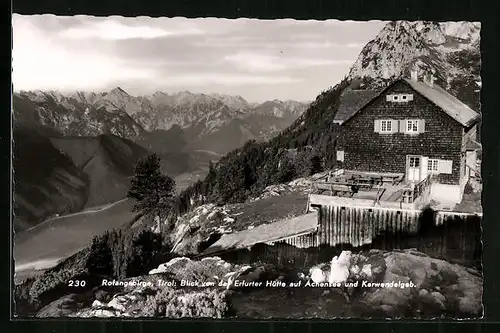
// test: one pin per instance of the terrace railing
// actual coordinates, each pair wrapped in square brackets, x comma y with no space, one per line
[333,184]
[410,195]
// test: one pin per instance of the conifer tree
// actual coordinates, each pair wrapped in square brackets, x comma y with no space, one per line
[152,191]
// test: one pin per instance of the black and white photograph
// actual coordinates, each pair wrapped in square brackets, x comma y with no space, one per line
[244,168]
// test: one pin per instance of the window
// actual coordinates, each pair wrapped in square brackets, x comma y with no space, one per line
[399,98]
[412,126]
[433,165]
[340,155]
[414,162]
[386,126]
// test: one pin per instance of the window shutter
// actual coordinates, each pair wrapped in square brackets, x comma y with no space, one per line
[445,166]
[377,126]
[340,155]
[395,126]
[402,126]
[421,126]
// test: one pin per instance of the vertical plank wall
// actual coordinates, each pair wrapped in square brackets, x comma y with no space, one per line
[359,226]
[449,235]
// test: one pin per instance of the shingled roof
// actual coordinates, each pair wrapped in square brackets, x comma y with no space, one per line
[457,109]
[352,101]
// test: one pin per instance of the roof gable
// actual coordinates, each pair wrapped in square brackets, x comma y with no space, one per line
[353,101]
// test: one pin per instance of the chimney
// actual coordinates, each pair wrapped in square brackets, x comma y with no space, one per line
[429,79]
[414,75]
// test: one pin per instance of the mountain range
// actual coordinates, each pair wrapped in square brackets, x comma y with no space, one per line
[203,119]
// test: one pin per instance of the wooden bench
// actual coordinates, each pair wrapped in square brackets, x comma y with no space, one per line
[335,189]
[350,184]
[392,179]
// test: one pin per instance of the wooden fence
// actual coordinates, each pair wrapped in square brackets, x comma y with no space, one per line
[303,241]
[452,236]
[359,226]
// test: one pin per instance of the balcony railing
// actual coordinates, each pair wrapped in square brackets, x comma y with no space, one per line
[410,195]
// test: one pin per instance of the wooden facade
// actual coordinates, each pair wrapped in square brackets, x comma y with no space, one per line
[366,150]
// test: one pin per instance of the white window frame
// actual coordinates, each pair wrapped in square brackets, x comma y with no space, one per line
[412,126]
[414,161]
[340,156]
[388,126]
[399,98]
[433,165]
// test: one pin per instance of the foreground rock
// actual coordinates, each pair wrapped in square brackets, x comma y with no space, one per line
[405,284]
[63,307]
[214,270]
[210,297]
[368,284]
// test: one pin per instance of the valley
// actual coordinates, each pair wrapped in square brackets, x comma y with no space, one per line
[70,233]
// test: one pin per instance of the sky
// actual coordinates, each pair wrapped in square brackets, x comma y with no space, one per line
[256,59]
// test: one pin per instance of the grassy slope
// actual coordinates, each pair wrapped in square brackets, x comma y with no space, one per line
[268,210]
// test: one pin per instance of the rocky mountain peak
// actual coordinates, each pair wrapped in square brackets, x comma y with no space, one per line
[119,91]
[425,45]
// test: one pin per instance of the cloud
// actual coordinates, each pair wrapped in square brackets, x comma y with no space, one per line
[265,43]
[39,63]
[355,45]
[114,30]
[249,57]
[227,79]
[255,62]
[267,63]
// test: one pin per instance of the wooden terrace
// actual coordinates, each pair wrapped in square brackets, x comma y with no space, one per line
[369,189]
